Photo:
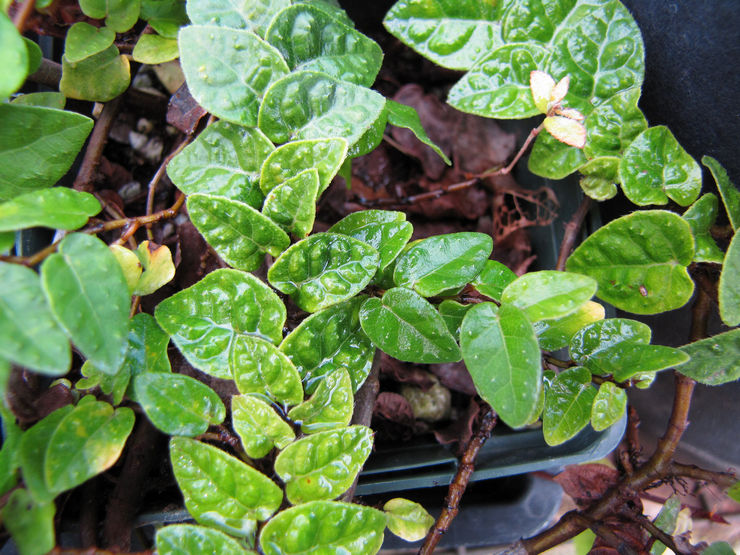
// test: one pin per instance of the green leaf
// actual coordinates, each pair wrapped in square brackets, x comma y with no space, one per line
[450,33]
[583,542]
[120,15]
[324,527]
[324,269]
[205,319]
[727,190]
[259,426]
[404,116]
[13,58]
[548,294]
[29,334]
[100,77]
[291,159]
[323,465]
[493,279]
[7,241]
[552,159]
[12,434]
[453,313]
[330,339]
[329,407]
[407,520]
[404,325]
[259,367]
[28,131]
[502,355]
[613,125]
[224,160]
[626,360]
[372,136]
[666,521]
[237,232]
[590,345]
[556,334]
[158,267]
[639,261]
[568,403]
[715,360]
[220,490]
[35,55]
[292,204]
[656,168]
[733,492]
[228,70]
[701,216]
[600,177]
[729,284]
[255,14]
[178,405]
[608,406]
[147,348]
[719,548]
[86,442]
[57,208]
[310,39]
[53,100]
[114,385]
[443,262]
[31,524]
[155,49]
[312,105]
[83,40]
[165,17]
[184,539]
[89,298]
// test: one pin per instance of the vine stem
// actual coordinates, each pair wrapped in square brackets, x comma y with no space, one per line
[22,15]
[653,530]
[94,151]
[152,187]
[572,228]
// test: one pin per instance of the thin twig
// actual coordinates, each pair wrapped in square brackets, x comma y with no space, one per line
[94,151]
[629,449]
[22,15]
[152,187]
[721,479]
[572,229]
[657,533]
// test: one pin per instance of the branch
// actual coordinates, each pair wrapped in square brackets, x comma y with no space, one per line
[152,187]
[722,479]
[94,151]
[22,15]
[572,228]
[49,74]
[657,533]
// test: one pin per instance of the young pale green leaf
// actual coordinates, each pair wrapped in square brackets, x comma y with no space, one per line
[255,14]
[83,40]
[166,17]
[30,523]
[259,426]
[178,405]
[443,262]
[556,334]
[401,115]
[57,208]
[407,520]
[608,406]
[311,39]
[120,15]
[453,313]
[29,334]
[727,190]
[541,85]
[701,216]
[566,130]
[100,77]
[312,105]
[86,442]
[384,230]
[53,100]
[292,204]
[329,407]
[158,267]
[89,298]
[324,527]
[324,269]
[451,33]
[29,130]
[228,70]
[293,158]
[220,490]
[666,521]
[184,539]
[589,344]
[501,353]
[13,57]
[205,319]
[715,360]
[493,279]
[330,339]
[155,49]
[237,232]
[323,465]
[259,367]
[406,326]
[224,160]
[613,125]
[548,294]
[729,284]
[568,403]
[639,261]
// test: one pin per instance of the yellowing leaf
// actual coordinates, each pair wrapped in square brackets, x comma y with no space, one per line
[158,267]
[566,130]
[542,86]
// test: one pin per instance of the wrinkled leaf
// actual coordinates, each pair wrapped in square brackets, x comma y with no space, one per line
[329,407]
[292,204]
[556,334]
[259,426]
[57,208]
[372,136]
[568,403]
[608,406]
[407,520]
[155,49]
[600,179]
[613,125]
[185,539]
[549,294]
[729,285]
[120,15]
[591,343]
[715,360]
[255,14]
[453,313]
[100,77]
[701,216]
[30,523]
[83,40]
[406,117]
[493,279]
[13,57]
[727,190]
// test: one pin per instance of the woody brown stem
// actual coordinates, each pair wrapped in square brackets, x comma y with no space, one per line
[94,151]
[572,229]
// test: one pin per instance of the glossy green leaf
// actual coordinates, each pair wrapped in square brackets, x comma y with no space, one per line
[329,407]
[228,70]
[639,261]
[28,131]
[608,406]
[407,520]
[400,115]
[255,14]
[9,453]
[13,57]
[715,360]
[259,426]
[100,77]
[258,367]
[224,160]
[29,334]
[330,339]
[220,490]
[158,267]
[205,319]
[666,521]
[290,159]
[552,159]
[450,33]
[626,360]
[324,527]
[312,105]
[656,168]
[556,334]
[292,204]
[86,442]
[701,216]
[111,384]
[323,465]
[404,325]
[155,49]
[165,17]
[43,99]
[237,232]
[35,55]
[372,136]
[83,40]
[613,125]
[568,403]
[502,355]
[719,548]
[729,285]
[584,542]
[120,15]
[453,313]
[727,190]
[186,539]
[178,405]
[443,262]
[89,298]
[600,177]
[57,208]
[591,343]
[493,279]
[31,524]
[324,269]
[549,294]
